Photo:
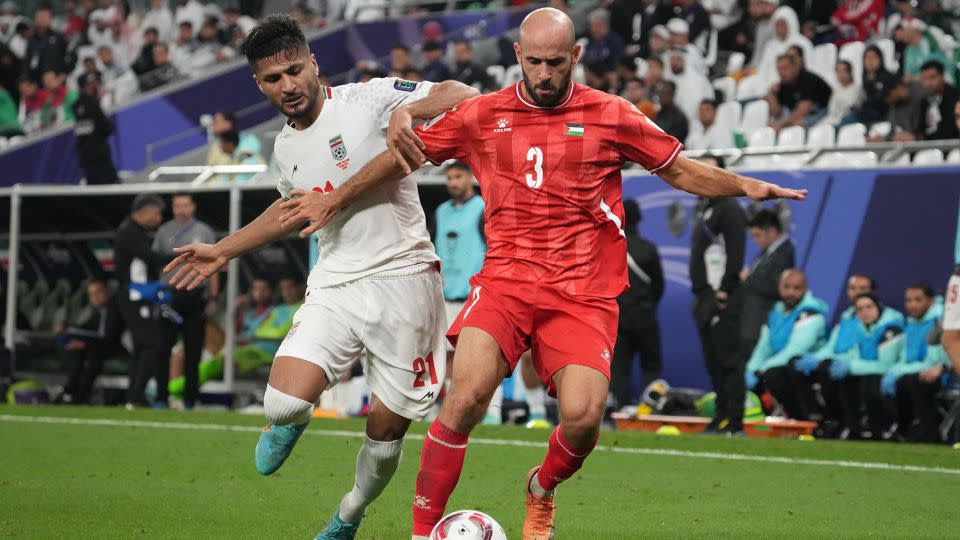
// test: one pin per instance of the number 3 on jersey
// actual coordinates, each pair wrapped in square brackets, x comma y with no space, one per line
[535,179]
[420,368]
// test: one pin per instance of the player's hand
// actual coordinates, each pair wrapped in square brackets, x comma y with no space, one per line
[402,142]
[317,208]
[196,263]
[764,191]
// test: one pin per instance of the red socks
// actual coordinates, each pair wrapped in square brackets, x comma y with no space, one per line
[440,464]
[562,460]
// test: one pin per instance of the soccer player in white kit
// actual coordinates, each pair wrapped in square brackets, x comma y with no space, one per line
[375,293]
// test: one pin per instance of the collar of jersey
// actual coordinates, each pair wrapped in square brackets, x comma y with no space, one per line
[528,104]
[327,93]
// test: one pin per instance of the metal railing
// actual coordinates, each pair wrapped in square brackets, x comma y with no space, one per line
[204,172]
[887,151]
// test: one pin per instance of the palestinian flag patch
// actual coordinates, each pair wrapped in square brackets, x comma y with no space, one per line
[404,85]
[575,130]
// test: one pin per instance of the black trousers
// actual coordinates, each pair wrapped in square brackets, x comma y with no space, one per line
[634,338]
[853,395]
[141,319]
[917,414]
[100,171]
[718,331]
[85,366]
[190,306]
[794,390]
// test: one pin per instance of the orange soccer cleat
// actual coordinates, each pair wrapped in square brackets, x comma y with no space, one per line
[538,525]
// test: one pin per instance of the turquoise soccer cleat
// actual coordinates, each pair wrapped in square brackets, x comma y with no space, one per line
[339,529]
[275,445]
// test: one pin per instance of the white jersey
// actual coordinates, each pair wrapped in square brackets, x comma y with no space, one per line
[383,230]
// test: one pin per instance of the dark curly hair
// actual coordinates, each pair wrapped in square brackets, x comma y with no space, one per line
[273,35]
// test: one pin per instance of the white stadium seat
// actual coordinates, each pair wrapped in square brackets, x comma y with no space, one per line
[953,156]
[756,115]
[497,73]
[852,134]
[762,138]
[845,160]
[792,136]
[853,52]
[902,160]
[736,62]
[822,136]
[888,48]
[751,88]
[930,156]
[880,129]
[727,86]
[824,60]
[513,75]
[728,115]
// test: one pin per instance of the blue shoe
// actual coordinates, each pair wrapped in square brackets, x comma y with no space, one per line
[339,529]
[275,445]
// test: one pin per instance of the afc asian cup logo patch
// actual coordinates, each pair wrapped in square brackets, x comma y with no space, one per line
[404,85]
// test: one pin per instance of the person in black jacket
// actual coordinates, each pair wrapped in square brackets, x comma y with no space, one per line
[638,331]
[92,128]
[877,82]
[94,336]
[718,242]
[137,264]
[941,121]
[760,288]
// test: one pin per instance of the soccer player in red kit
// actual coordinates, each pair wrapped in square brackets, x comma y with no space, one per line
[548,155]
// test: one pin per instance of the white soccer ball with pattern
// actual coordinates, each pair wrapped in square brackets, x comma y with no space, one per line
[468,525]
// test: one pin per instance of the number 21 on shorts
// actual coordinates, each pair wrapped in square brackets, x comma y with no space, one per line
[535,179]
[421,366]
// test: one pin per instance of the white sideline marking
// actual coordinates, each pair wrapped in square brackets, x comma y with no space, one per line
[497,442]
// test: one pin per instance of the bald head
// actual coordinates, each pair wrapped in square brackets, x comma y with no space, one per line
[793,287]
[547,26]
[547,52]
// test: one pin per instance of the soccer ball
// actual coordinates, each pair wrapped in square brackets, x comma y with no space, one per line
[468,525]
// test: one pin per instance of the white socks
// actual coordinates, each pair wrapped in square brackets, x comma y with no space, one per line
[376,463]
[536,401]
[282,409]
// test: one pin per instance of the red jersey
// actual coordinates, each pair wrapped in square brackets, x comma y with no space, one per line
[550,180]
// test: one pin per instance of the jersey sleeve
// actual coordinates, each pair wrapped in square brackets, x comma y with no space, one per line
[443,137]
[641,141]
[381,96]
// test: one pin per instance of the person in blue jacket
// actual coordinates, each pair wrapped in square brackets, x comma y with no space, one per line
[796,325]
[916,376]
[855,381]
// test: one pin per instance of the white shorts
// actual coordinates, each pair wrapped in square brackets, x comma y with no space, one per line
[453,311]
[397,317]
[951,305]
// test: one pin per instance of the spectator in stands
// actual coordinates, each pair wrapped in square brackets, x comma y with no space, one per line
[209,49]
[47,49]
[680,40]
[760,282]
[814,367]
[163,72]
[137,270]
[596,77]
[11,68]
[189,11]
[725,18]
[98,28]
[223,122]
[622,15]
[434,69]
[603,47]
[9,17]
[192,306]
[919,48]
[659,42]
[941,100]
[635,92]
[236,26]
[93,336]
[144,61]
[31,115]
[670,118]
[400,60]
[786,33]
[877,82]
[691,12]
[857,379]
[467,71]
[183,48]
[695,86]
[906,107]
[915,377]
[23,34]
[800,98]
[160,18]
[92,130]
[845,96]
[638,331]
[761,16]
[717,247]
[653,79]
[60,99]
[230,146]
[412,74]
[9,123]
[856,20]
[795,326]
[705,133]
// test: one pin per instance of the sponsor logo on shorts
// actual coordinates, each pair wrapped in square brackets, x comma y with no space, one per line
[428,395]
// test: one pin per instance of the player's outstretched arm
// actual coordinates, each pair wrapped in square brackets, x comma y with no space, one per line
[319,208]
[708,181]
[197,262]
[401,140]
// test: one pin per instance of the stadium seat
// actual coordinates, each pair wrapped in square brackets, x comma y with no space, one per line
[953,156]
[764,137]
[750,88]
[880,129]
[792,136]
[513,75]
[822,135]
[736,62]
[728,116]
[16,139]
[756,115]
[579,74]
[902,160]
[929,156]
[888,48]
[824,60]
[496,73]
[852,134]
[853,52]
[727,86]
[3,143]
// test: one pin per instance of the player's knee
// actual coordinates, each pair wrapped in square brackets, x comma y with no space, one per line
[282,409]
[465,407]
[582,421]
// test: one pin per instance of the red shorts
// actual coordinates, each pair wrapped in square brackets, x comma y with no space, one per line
[558,328]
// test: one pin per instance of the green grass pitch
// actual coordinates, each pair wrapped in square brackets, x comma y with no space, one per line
[108,473]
